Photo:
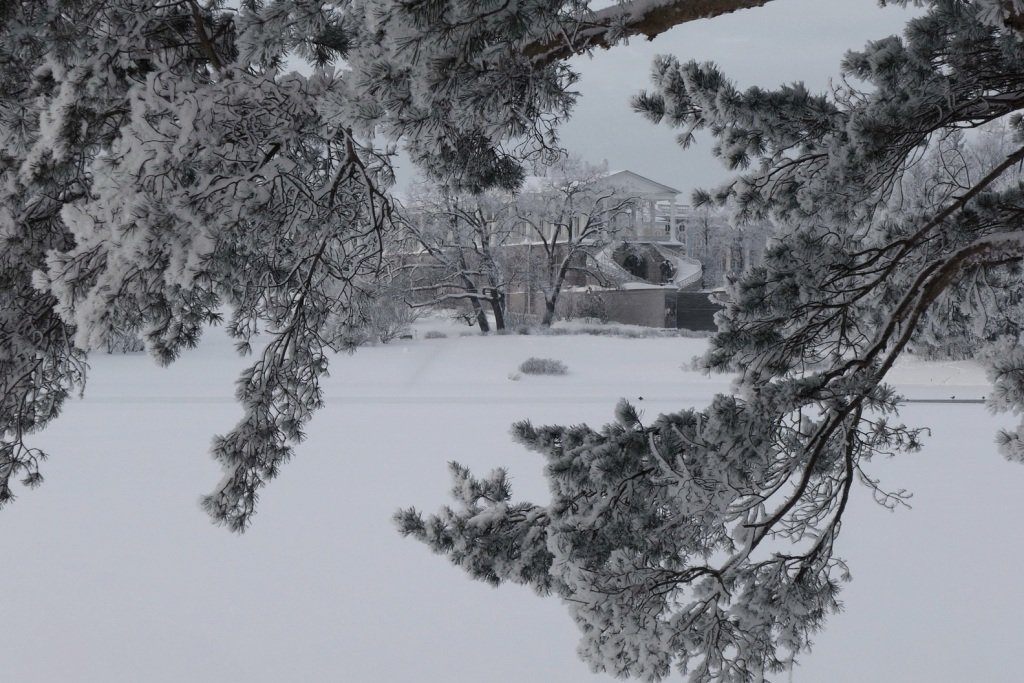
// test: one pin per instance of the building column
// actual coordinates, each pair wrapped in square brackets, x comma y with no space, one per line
[673,229]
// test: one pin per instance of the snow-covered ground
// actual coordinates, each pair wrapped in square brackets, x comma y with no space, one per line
[111,573]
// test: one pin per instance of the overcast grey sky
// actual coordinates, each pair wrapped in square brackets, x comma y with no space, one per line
[785,41]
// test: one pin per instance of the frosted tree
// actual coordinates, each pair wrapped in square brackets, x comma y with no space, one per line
[175,181]
[455,250]
[724,247]
[571,214]
[705,541]
[952,326]
[162,169]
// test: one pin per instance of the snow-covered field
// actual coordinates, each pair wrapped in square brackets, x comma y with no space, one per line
[111,573]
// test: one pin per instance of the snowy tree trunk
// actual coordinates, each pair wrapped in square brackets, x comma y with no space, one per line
[474,299]
[478,311]
[497,300]
[549,310]
[552,294]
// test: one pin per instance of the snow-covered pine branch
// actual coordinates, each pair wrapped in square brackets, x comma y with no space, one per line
[152,181]
[159,167]
[609,26]
[706,541]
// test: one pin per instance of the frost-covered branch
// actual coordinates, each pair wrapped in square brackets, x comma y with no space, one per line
[609,26]
[707,540]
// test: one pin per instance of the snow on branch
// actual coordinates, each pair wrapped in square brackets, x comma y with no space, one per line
[648,18]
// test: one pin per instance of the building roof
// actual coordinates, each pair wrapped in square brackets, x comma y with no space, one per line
[634,182]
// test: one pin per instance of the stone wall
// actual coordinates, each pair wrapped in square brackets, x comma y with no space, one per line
[648,307]
[695,311]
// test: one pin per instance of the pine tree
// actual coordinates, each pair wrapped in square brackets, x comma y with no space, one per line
[153,179]
[705,541]
[162,168]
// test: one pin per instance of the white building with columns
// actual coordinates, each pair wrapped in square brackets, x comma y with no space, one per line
[654,216]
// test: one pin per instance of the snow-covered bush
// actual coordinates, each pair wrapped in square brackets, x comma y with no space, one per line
[592,307]
[543,366]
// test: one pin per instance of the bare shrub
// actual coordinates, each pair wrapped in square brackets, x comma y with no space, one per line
[386,319]
[592,306]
